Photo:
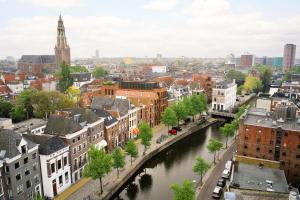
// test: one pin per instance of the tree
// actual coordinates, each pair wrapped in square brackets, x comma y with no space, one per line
[65,78]
[240,90]
[265,75]
[145,134]
[237,75]
[180,111]
[288,74]
[200,167]
[252,84]
[73,94]
[99,72]
[78,69]
[213,147]
[18,113]
[184,192]
[199,103]
[168,117]
[99,164]
[25,100]
[228,130]
[189,107]
[119,159]
[131,149]
[6,108]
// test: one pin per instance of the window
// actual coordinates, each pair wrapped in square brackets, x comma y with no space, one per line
[271,142]
[7,168]
[74,140]
[27,172]
[52,168]
[17,165]
[20,189]
[34,156]
[258,140]
[245,147]
[286,134]
[65,161]
[270,151]
[26,160]
[296,166]
[28,184]
[23,149]
[283,153]
[58,164]
[74,150]
[79,148]
[78,138]
[282,163]
[60,180]
[18,177]
[84,145]
[298,156]
[67,177]
[34,167]
[257,149]
[298,146]
[246,138]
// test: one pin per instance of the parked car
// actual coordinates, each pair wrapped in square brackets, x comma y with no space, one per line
[177,128]
[201,121]
[161,139]
[188,120]
[173,132]
[221,182]
[217,193]
[228,165]
[226,174]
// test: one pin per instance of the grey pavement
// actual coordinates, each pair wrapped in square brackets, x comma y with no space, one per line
[214,175]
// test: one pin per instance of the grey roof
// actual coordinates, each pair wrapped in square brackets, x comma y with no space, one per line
[106,103]
[108,118]
[81,76]
[254,177]
[47,144]
[225,84]
[74,120]
[9,142]
[29,124]
[38,59]
[260,117]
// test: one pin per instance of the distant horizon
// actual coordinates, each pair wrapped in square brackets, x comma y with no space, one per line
[143,28]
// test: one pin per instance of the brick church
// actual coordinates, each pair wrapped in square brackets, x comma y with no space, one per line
[39,64]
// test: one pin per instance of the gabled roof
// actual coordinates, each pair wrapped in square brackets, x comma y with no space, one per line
[9,142]
[38,59]
[47,144]
[108,118]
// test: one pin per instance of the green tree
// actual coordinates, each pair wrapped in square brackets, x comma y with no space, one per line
[168,117]
[288,74]
[6,108]
[99,72]
[99,164]
[265,75]
[252,84]
[200,167]
[199,103]
[65,78]
[131,149]
[145,134]
[228,130]
[180,111]
[73,94]
[77,69]
[184,192]
[189,107]
[18,113]
[25,100]
[213,147]
[119,159]
[237,75]
[240,90]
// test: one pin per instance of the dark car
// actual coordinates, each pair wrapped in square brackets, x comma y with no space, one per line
[161,139]
[221,182]
[177,128]
[173,132]
[217,193]
[188,120]
[201,121]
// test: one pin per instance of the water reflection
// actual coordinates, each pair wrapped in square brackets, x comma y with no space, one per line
[170,166]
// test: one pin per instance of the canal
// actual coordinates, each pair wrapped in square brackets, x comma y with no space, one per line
[173,165]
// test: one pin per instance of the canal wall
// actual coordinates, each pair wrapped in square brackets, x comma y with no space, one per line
[153,152]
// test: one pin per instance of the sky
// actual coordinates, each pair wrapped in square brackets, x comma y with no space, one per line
[143,28]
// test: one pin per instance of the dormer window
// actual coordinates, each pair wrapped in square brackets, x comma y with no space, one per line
[24,149]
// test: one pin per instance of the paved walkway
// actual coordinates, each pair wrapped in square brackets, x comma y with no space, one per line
[212,176]
[88,187]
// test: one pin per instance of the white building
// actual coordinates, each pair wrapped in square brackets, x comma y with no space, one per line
[15,86]
[33,126]
[224,95]
[54,161]
[133,122]
[82,78]
[159,69]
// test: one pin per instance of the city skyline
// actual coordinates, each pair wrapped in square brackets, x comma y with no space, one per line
[195,28]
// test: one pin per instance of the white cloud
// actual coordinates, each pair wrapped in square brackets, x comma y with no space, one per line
[204,29]
[161,5]
[56,3]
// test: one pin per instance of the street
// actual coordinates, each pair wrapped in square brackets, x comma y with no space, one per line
[211,182]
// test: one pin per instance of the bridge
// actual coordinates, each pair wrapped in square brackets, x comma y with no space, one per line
[221,114]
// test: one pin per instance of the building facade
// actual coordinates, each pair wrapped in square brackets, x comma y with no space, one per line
[289,56]
[224,95]
[247,60]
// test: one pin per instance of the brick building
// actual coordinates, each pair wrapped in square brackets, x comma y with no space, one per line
[272,136]
[205,82]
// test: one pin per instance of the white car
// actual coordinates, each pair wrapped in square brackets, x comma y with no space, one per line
[228,165]
[226,174]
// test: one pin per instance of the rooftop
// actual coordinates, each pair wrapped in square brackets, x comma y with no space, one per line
[30,124]
[253,177]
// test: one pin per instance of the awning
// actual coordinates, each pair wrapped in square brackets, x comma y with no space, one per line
[135,131]
[101,144]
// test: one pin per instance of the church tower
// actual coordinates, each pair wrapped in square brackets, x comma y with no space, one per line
[62,49]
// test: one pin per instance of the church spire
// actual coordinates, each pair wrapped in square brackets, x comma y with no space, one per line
[62,49]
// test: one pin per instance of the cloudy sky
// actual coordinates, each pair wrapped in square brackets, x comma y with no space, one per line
[198,28]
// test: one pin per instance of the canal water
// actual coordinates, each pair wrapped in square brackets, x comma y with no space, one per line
[173,165]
